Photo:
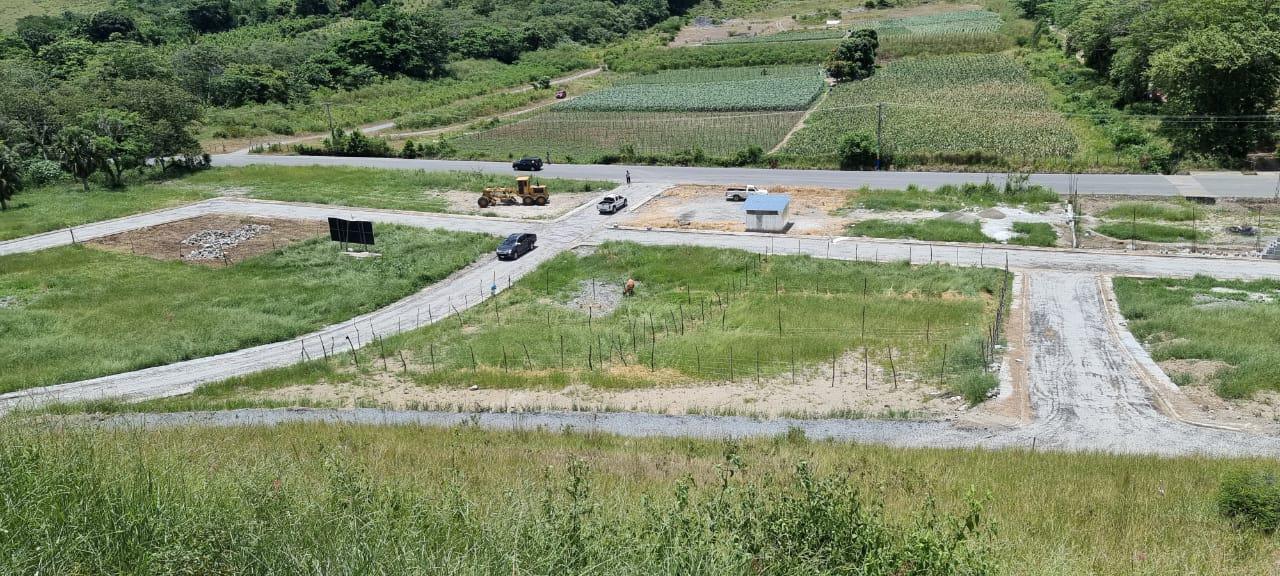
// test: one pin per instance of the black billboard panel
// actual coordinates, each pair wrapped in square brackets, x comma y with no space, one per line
[351,231]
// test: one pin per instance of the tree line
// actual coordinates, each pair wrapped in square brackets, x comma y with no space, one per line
[125,87]
[1210,69]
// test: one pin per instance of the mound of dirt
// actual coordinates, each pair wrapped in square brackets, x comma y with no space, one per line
[992,214]
[961,217]
[600,298]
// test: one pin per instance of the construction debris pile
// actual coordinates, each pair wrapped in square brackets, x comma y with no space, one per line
[214,244]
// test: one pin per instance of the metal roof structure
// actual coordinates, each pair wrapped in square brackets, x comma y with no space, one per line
[767,203]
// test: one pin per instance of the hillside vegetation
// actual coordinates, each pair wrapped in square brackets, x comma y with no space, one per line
[409,500]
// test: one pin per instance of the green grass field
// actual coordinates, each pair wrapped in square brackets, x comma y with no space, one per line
[934,230]
[63,205]
[406,500]
[1188,319]
[951,198]
[952,109]
[13,10]
[700,315]
[1164,211]
[81,312]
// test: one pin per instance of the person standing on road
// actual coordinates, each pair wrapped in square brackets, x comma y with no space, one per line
[628,177]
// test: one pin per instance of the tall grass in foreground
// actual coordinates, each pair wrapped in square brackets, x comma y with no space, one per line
[81,312]
[406,500]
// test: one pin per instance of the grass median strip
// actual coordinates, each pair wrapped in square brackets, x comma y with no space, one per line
[78,312]
[1148,232]
[292,498]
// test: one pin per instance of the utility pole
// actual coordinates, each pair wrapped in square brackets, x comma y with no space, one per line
[879,135]
[328,111]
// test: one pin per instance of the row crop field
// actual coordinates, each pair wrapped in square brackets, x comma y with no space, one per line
[984,105]
[734,89]
[567,136]
[946,22]
[787,36]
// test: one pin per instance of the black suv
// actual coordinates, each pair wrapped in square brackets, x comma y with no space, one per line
[527,164]
[516,245]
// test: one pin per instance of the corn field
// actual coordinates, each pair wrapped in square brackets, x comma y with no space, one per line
[735,89]
[587,135]
[954,105]
[946,22]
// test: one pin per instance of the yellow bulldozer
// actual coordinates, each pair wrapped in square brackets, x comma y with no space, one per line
[525,193]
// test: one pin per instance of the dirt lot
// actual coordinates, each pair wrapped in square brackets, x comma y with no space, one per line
[461,202]
[811,395]
[212,240]
[813,212]
[1213,220]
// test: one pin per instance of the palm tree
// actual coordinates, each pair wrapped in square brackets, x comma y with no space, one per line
[10,176]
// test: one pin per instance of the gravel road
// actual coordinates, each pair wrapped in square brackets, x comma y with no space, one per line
[1226,185]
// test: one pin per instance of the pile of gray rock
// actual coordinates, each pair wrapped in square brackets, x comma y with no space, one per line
[214,244]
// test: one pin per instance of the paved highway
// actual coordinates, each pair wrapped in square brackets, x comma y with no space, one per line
[1217,184]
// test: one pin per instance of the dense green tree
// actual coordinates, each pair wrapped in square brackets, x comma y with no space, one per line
[414,44]
[1232,73]
[25,103]
[313,7]
[855,57]
[196,67]
[208,16]
[10,175]
[120,141]
[78,152]
[857,151]
[489,42]
[1214,61]
[67,56]
[241,84]
[40,31]
[110,24]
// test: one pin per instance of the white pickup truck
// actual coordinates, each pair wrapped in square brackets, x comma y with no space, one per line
[740,193]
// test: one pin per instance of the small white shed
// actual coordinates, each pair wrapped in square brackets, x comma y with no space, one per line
[768,213]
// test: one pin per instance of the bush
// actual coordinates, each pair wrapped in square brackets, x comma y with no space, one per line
[1251,498]
[857,151]
[38,172]
[747,157]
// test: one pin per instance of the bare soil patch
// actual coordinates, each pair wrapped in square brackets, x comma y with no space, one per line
[1261,413]
[212,239]
[1213,221]
[811,395]
[463,202]
[817,212]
